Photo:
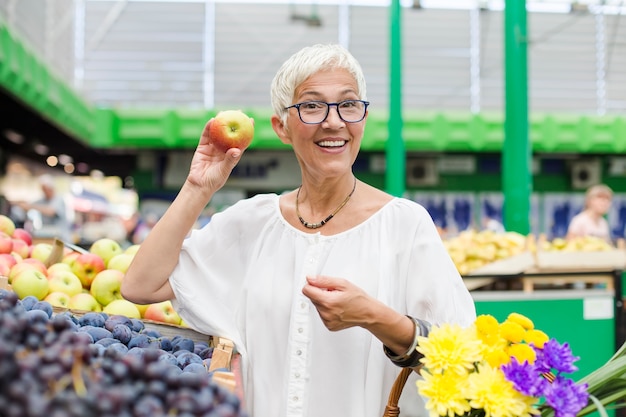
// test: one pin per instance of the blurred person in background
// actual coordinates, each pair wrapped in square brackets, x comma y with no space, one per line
[47,217]
[592,220]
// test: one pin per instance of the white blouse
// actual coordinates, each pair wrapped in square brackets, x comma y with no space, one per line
[241,277]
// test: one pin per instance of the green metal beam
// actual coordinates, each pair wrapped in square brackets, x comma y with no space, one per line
[395,153]
[516,153]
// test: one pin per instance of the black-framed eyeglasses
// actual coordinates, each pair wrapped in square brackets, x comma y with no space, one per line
[315,112]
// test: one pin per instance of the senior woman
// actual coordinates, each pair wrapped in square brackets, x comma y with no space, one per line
[323,289]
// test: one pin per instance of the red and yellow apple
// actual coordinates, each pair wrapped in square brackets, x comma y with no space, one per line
[86,266]
[6,243]
[21,248]
[162,312]
[24,235]
[231,129]
[7,225]
[105,286]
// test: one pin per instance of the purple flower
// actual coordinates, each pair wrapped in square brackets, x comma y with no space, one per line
[555,356]
[566,397]
[525,378]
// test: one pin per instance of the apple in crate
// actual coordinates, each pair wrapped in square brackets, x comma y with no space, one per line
[24,235]
[66,282]
[31,281]
[58,299]
[162,312]
[28,263]
[84,301]
[41,251]
[122,307]
[21,248]
[121,262]
[6,243]
[105,287]
[86,266]
[106,249]
[231,129]
[7,225]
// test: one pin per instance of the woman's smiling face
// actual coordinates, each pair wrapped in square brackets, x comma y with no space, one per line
[333,145]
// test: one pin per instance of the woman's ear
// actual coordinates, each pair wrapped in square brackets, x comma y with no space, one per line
[280,129]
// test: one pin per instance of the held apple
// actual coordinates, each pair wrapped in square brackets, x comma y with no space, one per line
[84,301]
[162,312]
[105,248]
[31,282]
[66,282]
[86,266]
[105,286]
[231,129]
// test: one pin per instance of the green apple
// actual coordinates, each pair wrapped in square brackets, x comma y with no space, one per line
[142,308]
[120,262]
[105,248]
[105,287]
[123,308]
[132,249]
[41,251]
[7,225]
[86,266]
[58,299]
[231,129]
[24,265]
[31,281]
[66,282]
[85,302]
[59,266]
[162,312]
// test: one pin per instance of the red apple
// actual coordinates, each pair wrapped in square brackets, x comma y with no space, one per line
[7,258]
[6,243]
[231,129]
[162,312]
[105,286]
[30,282]
[84,301]
[21,248]
[87,266]
[66,282]
[23,265]
[24,235]
[58,299]
[7,225]
[70,258]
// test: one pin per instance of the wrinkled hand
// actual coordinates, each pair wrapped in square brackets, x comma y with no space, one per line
[340,304]
[211,167]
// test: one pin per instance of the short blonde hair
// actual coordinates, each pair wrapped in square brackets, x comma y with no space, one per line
[306,62]
[598,190]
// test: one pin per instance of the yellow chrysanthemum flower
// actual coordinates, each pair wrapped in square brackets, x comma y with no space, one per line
[451,348]
[513,332]
[536,337]
[487,324]
[489,390]
[522,352]
[497,357]
[444,393]
[522,320]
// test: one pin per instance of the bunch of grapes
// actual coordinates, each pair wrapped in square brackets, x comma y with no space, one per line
[48,367]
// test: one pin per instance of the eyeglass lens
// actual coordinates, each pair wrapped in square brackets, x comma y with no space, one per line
[317,111]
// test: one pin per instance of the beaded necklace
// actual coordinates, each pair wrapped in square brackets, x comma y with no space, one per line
[330,216]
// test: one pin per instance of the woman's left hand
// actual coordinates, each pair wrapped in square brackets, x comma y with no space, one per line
[339,303]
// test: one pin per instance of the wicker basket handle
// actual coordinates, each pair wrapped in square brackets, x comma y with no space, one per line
[392,409]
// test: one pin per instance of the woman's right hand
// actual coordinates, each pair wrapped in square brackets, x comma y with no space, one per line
[210,166]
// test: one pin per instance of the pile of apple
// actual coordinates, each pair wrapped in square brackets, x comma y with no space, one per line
[85,281]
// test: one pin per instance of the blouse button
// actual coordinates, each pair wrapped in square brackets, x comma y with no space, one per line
[300,329]
[298,352]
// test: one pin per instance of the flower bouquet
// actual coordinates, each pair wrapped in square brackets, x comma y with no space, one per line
[507,369]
